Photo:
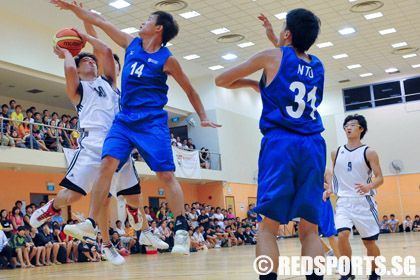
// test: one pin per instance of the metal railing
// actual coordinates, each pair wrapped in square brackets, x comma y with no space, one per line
[31,131]
[214,159]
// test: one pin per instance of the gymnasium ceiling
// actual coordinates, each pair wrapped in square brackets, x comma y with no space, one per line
[366,47]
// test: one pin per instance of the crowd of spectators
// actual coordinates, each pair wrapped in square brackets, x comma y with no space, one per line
[17,132]
[187,144]
[23,246]
[392,225]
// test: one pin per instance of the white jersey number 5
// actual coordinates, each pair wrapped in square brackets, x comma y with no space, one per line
[300,87]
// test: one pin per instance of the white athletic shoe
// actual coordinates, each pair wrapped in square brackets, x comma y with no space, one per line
[82,231]
[149,239]
[41,215]
[112,255]
[330,253]
[182,243]
[135,218]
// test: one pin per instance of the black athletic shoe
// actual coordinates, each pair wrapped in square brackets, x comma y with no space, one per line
[348,277]
[374,277]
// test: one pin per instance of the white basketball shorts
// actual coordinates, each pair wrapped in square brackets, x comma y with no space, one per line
[362,212]
[84,168]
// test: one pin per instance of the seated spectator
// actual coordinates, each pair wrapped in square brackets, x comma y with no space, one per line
[27,216]
[152,213]
[54,117]
[240,237]
[416,223]
[62,136]
[33,251]
[222,237]
[29,115]
[19,142]
[46,116]
[172,136]
[64,120]
[25,134]
[173,144]
[128,241]
[161,214]
[64,246]
[130,232]
[87,252]
[219,218]
[17,116]
[250,237]
[16,219]
[408,224]
[165,234]
[148,216]
[251,214]
[73,122]
[118,244]
[193,217]
[204,158]
[46,121]
[74,244]
[18,244]
[231,236]
[5,252]
[6,137]
[203,220]
[210,236]
[4,114]
[229,214]
[185,144]
[155,230]
[6,223]
[45,238]
[51,138]
[393,224]
[198,240]
[384,225]
[58,219]
[254,230]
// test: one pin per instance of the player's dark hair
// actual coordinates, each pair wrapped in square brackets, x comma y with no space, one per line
[82,55]
[170,26]
[36,113]
[4,105]
[304,26]
[28,110]
[10,102]
[117,58]
[360,119]
[54,114]
[392,215]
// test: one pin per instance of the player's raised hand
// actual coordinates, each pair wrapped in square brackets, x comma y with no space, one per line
[60,52]
[207,123]
[83,35]
[265,22]
[63,5]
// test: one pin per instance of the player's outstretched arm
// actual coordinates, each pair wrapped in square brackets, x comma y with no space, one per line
[173,68]
[269,30]
[70,71]
[234,77]
[119,37]
[106,53]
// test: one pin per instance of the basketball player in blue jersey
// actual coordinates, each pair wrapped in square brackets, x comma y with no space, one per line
[293,153]
[142,123]
[97,103]
[352,183]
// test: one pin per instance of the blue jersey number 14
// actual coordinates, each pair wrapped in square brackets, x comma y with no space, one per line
[138,71]
[300,87]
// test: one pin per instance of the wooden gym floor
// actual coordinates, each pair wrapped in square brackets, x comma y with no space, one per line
[223,263]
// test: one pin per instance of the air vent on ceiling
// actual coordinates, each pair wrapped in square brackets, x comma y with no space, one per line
[56,96]
[170,5]
[344,81]
[366,6]
[34,91]
[395,72]
[230,38]
[405,50]
[11,86]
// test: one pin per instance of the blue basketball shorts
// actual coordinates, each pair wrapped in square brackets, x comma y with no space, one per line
[144,130]
[327,224]
[291,176]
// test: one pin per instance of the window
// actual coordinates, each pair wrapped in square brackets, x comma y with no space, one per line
[412,89]
[387,93]
[371,96]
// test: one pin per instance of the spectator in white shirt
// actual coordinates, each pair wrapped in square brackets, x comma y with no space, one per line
[408,224]
[123,236]
[147,212]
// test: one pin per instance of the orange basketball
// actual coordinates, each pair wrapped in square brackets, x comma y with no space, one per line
[69,39]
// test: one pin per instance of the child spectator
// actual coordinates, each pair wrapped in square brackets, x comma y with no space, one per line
[30,246]
[407,224]
[18,244]
[165,233]
[87,252]
[416,223]
[393,224]
[17,116]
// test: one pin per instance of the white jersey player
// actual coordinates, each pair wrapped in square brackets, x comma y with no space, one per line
[97,102]
[354,164]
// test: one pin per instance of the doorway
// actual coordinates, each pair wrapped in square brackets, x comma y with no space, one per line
[230,203]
